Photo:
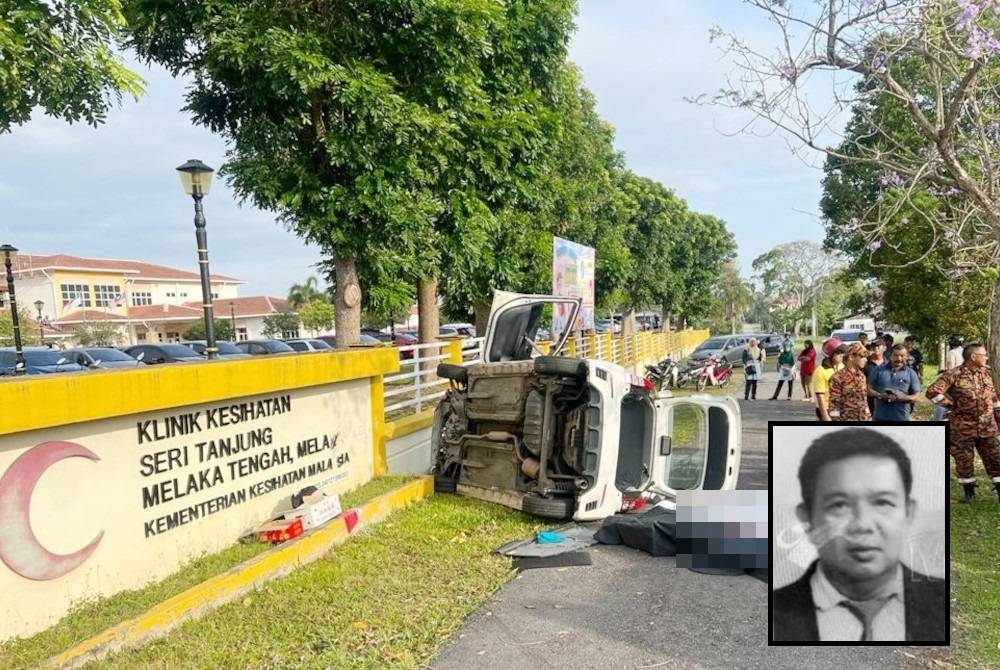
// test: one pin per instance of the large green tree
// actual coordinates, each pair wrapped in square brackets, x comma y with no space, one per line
[59,57]
[345,136]
[698,257]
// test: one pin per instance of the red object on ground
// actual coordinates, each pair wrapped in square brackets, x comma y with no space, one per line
[350,519]
[279,531]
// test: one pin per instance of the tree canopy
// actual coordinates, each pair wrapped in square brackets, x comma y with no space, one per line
[59,57]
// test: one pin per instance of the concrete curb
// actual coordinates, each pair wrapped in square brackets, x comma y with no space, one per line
[203,598]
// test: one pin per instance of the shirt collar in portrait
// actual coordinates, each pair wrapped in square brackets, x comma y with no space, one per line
[826,595]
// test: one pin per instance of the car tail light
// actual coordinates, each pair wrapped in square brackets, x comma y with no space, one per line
[633,504]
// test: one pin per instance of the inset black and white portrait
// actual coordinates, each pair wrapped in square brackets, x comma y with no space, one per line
[859,528]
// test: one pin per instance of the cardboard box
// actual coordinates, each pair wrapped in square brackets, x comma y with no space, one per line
[316,509]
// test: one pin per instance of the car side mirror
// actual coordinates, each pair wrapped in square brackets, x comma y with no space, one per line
[665,443]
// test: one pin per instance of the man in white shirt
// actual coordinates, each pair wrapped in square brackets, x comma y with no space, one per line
[856,505]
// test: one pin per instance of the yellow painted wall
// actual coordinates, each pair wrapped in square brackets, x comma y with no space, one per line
[112,479]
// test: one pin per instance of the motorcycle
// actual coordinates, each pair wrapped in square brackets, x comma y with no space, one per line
[668,373]
[714,373]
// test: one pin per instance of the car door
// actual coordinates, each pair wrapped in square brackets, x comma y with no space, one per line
[698,444]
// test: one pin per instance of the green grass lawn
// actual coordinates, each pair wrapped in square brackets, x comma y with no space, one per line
[388,598]
[90,618]
[975,578]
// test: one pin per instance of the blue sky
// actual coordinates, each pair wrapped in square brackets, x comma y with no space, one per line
[112,192]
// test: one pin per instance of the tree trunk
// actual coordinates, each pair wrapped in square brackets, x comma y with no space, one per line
[347,305]
[732,322]
[665,323]
[814,324]
[427,310]
[483,317]
[429,326]
[993,337]
[628,322]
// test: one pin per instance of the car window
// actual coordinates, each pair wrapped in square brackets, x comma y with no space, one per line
[319,345]
[298,346]
[108,355]
[713,343]
[689,443]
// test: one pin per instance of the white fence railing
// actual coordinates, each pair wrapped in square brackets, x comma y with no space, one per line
[417,384]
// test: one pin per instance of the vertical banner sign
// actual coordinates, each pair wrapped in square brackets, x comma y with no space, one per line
[572,276]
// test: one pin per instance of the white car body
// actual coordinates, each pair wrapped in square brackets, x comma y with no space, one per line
[564,437]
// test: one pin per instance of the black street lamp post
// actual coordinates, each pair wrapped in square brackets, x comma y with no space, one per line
[196,178]
[41,333]
[19,366]
[232,318]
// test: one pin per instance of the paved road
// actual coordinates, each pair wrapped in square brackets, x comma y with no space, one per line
[632,611]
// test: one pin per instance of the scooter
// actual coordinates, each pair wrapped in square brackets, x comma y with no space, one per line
[668,373]
[714,373]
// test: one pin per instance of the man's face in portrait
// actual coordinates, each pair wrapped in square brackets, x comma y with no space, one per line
[899,357]
[978,358]
[859,517]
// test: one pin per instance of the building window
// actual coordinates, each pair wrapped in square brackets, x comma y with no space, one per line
[184,295]
[173,337]
[140,337]
[290,334]
[159,337]
[171,295]
[241,335]
[140,298]
[105,294]
[215,296]
[78,294]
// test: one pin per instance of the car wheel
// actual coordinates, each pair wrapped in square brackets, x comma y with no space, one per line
[548,508]
[444,484]
[561,366]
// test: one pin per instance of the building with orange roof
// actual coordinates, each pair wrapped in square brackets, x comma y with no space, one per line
[147,302]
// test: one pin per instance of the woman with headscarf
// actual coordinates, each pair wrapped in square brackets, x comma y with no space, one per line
[753,367]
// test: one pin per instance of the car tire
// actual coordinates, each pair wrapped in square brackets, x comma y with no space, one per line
[548,508]
[444,484]
[561,366]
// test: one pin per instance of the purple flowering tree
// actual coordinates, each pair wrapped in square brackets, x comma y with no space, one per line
[940,61]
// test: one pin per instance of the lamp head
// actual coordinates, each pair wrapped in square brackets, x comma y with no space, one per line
[196,177]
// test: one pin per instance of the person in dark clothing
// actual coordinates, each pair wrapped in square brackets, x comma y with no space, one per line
[916,357]
[875,357]
[857,508]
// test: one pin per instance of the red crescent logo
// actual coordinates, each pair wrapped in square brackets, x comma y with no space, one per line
[19,548]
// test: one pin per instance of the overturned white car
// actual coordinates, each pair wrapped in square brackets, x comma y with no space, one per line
[566,437]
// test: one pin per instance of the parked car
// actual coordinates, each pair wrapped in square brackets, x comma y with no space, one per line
[38,360]
[263,347]
[102,357]
[463,329]
[226,349]
[770,342]
[565,437]
[728,347]
[308,345]
[377,334]
[154,354]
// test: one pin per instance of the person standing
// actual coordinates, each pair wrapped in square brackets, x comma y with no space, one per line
[786,368]
[833,361]
[807,366]
[915,358]
[849,388]
[974,417]
[895,386]
[875,358]
[753,367]
[952,359]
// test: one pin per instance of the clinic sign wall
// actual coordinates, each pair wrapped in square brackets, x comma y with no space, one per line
[95,507]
